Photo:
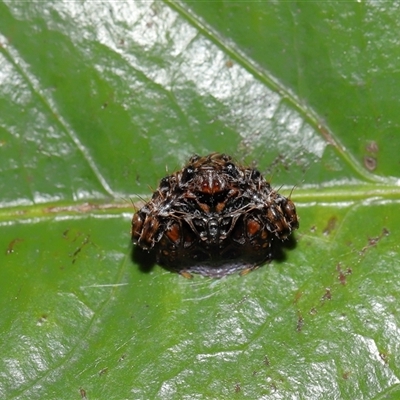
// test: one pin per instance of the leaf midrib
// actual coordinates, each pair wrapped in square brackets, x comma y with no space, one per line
[303,197]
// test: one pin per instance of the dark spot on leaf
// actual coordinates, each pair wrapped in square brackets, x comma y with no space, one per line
[103,371]
[327,135]
[82,393]
[372,241]
[237,388]
[342,277]
[71,235]
[372,147]
[300,322]
[77,251]
[346,375]
[327,295]
[11,246]
[343,274]
[370,163]
[297,296]
[42,319]
[330,226]
[229,64]
[313,311]
[266,361]
[384,356]
[85,242]
[273,386]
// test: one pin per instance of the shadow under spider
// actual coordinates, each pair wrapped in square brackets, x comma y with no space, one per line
[146,260]
[279,249]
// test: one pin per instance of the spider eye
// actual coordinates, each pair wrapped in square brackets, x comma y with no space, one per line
[255,174]
[231,170]
[165,183]
[187,174]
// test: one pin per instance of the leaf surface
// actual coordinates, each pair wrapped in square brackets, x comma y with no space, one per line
[98,99]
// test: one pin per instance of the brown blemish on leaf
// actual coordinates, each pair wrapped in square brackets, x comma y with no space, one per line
[313,311]
[42,319]
[370,163]
[297,296]
[11,246]
[372,242]
[370,160]
[237,388]
[346,375]
[82,393]
[273,386]
[384,356]
[266,361]
[103,371]
[229,64]
[330,226]
[300,322]
[342,277]
[343,274]
[326,134]
[327,295]
[75,254]
[372,147]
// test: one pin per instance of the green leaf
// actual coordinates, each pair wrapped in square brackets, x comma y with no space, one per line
[97,99]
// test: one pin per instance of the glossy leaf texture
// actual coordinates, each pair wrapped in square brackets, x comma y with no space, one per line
[97,99]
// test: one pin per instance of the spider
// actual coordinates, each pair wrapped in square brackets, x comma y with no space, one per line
[213,217]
